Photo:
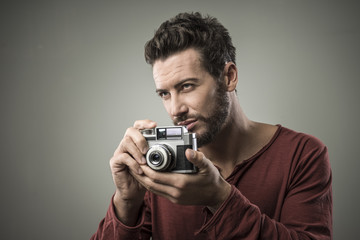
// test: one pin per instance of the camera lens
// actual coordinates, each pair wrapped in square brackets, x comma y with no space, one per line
[156,158]
[160,157]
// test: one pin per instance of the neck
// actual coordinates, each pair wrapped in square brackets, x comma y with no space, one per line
[235,142]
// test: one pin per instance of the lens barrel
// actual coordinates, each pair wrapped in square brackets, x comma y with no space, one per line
[160,157]
[156,158]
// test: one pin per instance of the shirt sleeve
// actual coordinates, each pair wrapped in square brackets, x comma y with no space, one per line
[306,212]
[112,228]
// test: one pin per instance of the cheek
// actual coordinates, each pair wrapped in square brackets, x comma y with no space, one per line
[204,102]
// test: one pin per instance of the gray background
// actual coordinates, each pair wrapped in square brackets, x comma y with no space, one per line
[73,78]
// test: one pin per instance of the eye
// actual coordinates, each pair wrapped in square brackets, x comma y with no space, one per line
[187,86]
[163,95]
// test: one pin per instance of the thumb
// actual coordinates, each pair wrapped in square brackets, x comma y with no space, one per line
[197,158]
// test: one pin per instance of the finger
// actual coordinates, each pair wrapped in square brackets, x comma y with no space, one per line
[197,158]
[138,139]
[175,180]
[167,191]
[119,163]
[144,124]
[129,146]
[134,143]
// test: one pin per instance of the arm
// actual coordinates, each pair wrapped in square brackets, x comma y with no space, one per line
[112,228]
[123,214]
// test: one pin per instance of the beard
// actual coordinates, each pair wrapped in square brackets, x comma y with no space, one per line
[215,121]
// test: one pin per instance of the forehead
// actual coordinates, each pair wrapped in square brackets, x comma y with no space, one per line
[179,66]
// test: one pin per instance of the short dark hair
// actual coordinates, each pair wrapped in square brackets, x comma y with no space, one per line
[192,30]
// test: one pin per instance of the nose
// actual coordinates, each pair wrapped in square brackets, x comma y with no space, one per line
[177,107]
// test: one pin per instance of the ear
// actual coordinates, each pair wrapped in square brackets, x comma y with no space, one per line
[230,76]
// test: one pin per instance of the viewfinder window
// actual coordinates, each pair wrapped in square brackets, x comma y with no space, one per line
[173,132]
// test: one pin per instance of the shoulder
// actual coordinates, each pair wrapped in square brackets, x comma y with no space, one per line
[308,153]
[299,140]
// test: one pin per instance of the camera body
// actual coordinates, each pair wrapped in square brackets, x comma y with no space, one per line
[167,146]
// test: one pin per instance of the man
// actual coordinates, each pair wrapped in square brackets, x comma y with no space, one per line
[255,180]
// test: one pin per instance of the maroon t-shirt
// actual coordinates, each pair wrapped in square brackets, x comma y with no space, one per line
[282,192]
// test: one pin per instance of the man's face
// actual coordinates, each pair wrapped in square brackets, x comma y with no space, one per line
[190,95]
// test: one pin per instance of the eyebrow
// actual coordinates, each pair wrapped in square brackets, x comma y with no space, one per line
[177,85]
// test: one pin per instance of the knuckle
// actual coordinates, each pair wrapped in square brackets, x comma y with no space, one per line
[182,182]
[129,132]
[122,145]
[132,135]
[112,162]
[133,165]
[152,175]
[138,124]
[142,124]
[117,159]
[139,141]
[127,138]
[176,195]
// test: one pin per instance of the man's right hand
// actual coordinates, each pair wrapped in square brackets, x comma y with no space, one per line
[126,162]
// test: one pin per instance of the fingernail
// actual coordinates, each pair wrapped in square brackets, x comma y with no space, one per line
[143,160]
[145,149]
[140,171]
[192,155]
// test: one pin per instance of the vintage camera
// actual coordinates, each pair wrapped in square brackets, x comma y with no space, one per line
[167,146]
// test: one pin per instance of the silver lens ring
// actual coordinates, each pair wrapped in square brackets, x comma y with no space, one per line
[158,157]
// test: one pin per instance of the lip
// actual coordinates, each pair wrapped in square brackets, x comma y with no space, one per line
[188,123]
